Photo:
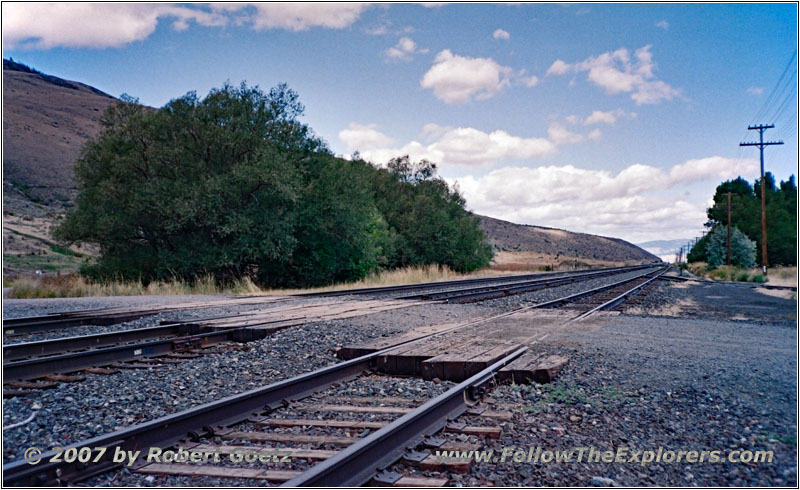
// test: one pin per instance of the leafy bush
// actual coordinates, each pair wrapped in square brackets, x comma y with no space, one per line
[743,250]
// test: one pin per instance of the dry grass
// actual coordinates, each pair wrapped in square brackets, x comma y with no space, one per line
[72,285]
[408,275]
[75,286]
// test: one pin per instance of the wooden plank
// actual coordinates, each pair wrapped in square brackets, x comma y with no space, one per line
[540,368]
[336,424]
[290,438]
[352,409]
[292,452]
[415,481]
[493,414]
[451,365]
[490,432]
[217,471]
[408,360]
[441,464]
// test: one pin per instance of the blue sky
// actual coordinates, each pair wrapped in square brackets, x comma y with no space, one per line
[614,119]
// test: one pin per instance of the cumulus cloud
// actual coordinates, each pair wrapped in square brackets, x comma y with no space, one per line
[358,136]
[755,90]
[457,79]
[404,50]
[608,117]
[560,135]
[619,72]
[663,24]
[501,34]
[447,146]
[625,204]
[108,25]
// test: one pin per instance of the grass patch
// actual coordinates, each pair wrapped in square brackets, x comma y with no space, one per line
[51,263]
[74,285]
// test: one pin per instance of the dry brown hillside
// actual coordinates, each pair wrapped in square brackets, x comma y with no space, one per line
[46,120]
[524,247]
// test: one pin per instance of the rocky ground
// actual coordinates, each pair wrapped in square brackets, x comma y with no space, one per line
[685,367]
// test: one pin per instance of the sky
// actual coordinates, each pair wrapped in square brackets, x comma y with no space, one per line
[612,119]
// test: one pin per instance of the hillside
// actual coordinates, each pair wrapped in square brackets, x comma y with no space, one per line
[46,120]
[521,246]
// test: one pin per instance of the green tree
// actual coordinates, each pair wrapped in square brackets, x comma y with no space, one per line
[428,218]
[199,187]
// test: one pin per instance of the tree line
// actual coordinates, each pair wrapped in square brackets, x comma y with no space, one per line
[781,205]
[233,185]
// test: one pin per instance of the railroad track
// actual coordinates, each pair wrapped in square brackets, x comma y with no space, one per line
[155,346]
[31,360]
[466,285]
[362,460]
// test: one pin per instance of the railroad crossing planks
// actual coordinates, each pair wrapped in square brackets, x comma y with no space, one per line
[541,368]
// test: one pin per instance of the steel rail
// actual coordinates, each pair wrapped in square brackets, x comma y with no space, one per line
[492,292]
[358,463]
[458,282]
[65,363]
[620,298]
[24,350]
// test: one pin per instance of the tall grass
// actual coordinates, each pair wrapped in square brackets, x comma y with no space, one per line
[73,285]
[76,286]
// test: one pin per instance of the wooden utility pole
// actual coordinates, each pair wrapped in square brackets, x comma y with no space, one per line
[729,228]
[761,144]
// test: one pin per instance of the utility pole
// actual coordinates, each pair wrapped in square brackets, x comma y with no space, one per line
[761,144]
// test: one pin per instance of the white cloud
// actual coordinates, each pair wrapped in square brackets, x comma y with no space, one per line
[755,90]
[501,34]
[530,81]
[457,79]
[108,25]
[559,67]
[594,134]
[358,136]
[560,135]
[663,24]
[608,117]
[302,16]
[403,50]
[449,146]
[617,72]
[92,25]
[627,204]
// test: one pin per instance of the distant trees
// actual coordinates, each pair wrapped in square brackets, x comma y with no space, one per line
[746,216]
[233,185]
